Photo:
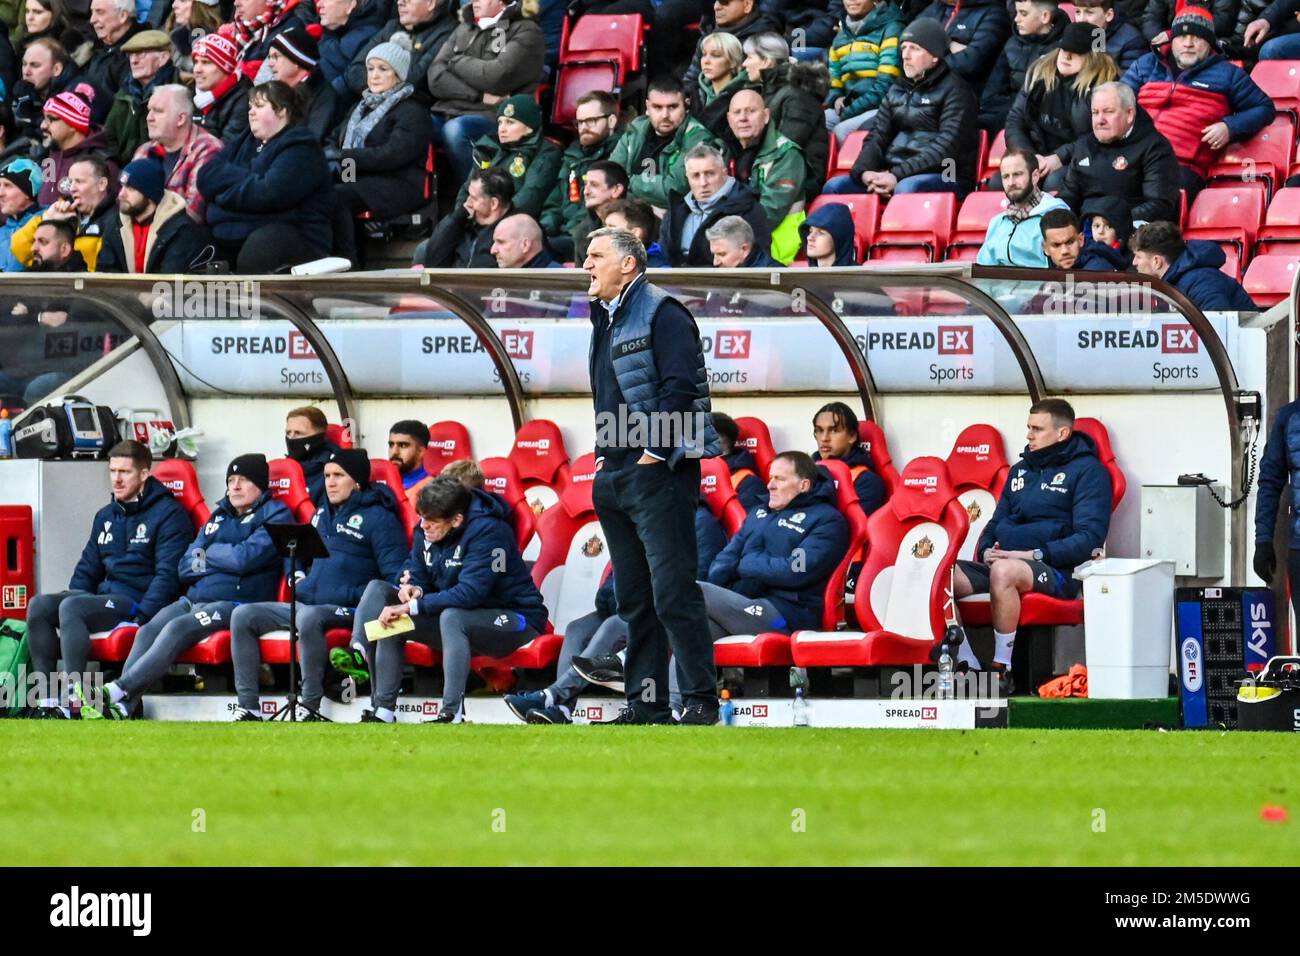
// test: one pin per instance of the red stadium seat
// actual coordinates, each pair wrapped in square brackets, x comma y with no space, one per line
[993,161]
[832,155]
[1039,609]
[502,478]
[1269,279]
[1265,156]
[179,476]
[539,455]
[1281,222]
[773,649]
[340,435]
[1280,79]
[717,493]
[962,252]
[1227,215]
[448,442]
[575,81]
[904,590]
[872,439]
[865,209]
[568,572]
[916,220]
[757,440]
[1232,259]
[848,153]
[973,218]
[289,485]
[977,467]
[594,36]
[385,472]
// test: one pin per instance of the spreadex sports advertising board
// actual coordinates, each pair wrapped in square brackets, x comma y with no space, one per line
[423,354]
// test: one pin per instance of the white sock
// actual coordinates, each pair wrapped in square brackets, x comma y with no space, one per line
[966,655]
[49,702]
[1004,645]
[550,698]
[115,693]
[386,715]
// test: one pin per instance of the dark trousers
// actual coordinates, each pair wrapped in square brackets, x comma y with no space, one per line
[1293,579]
[648,515]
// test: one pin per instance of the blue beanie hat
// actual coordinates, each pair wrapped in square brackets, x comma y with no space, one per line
[146,177]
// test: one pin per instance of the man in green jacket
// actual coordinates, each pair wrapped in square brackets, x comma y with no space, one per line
[149,54]
[771,165]
[518,147]
[566,209]
[653,147]
[864,61]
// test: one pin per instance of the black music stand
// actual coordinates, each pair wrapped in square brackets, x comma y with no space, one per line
[296,542]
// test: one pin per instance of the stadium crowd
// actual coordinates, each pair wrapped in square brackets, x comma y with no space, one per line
[191,135]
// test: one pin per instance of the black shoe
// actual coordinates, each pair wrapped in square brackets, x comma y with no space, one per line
[548,715]
[308,716]
[243,713]
[449,717]
[606,670]
[369,717]
[698,713]
[629,716]
[522,704]
[49,713]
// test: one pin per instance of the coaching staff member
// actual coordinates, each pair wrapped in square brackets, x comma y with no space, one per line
[647,368]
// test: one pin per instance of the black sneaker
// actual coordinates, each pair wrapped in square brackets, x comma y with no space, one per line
[49,713]
[308,716]
[700,714]
[629,716]
[449,717]
[606,670]
[548,715]
[370,717]
[243,713]
[521,705]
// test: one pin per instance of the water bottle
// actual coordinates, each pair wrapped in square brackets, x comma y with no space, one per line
[727,710]
[945,672]
[6,434]
[800,708]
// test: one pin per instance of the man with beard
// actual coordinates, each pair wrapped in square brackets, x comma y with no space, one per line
[1013,237]
[52,248]
[156,235]
[407,442]
[653,148]
[596,118]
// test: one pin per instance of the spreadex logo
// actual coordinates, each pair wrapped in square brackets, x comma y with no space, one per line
[451,345]
[294,345]
[727,344]
[1170,339]
[944,340]
[980,451]
[518,343]
[586,476]
[445,445]
[541,445]
[498,485]
[709,482]
[929,483]
[595,713]
[913,713]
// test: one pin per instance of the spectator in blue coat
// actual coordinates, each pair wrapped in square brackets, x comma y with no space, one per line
[127,573]
[1278,470]
[232,562]
[360,525]
[977,31]
[464,587]
[1190,266]
[1053,514]
[829,237]
[268,193]
[20,184]
[348,26]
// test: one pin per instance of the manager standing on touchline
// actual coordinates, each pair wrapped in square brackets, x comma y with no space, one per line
[651,394]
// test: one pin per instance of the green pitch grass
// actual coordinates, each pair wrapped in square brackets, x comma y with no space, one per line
[205,794]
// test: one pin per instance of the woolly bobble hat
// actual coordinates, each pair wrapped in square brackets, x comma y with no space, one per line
[396,52]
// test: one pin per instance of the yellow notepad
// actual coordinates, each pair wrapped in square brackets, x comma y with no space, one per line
[377,632]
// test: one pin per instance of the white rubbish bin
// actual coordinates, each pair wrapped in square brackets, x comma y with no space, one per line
[1128,618]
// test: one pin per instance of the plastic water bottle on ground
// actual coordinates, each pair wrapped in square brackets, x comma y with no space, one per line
[727,710]
[6,434]
[800,708]
[945,672]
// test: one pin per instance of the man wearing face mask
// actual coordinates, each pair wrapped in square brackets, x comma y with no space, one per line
[465,588]
[305,443]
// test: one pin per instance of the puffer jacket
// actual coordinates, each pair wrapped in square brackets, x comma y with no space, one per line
[922,123]
[984,26]
[1196,275]
[757,561]
[504,60]
[864,63]
[366,542]
[1050,121]
[233,557]
[810,21]
[1008,76]
[1020,242]
[1182,103]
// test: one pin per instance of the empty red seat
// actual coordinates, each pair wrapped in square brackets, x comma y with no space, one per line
[576,80]
[916,220]
[596,36]
[1269,279]
[962,252]
[993,161]
[717,493]
[772,648]
[1039,609]
[872,439]
[1227,214]
[448,442]
[757,440]
[1281,223]
[973,218]
[848,153]
[977,467]
[904,597]
[539,455]
[1265,156]
[865,209]
[502,478]
[289,486]
[1280,79]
